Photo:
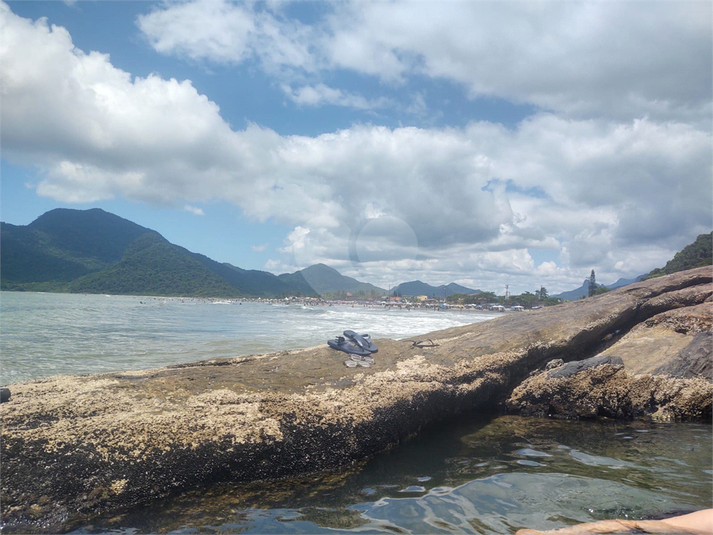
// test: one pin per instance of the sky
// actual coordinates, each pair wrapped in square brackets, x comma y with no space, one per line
[484,143]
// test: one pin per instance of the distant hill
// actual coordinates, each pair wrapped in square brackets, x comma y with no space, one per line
[328,281]
[577,293]
[583,291]
[624,282]
[94,251]
[421,288]
[697,254]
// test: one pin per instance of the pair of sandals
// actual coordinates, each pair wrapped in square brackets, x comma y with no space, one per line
[358,346]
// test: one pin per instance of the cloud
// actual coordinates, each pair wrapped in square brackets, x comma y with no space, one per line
[259,248]
[193,210]
[380,203]
[225,32]
[321,94]
[620,60]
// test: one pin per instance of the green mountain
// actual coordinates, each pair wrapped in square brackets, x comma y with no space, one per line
[327,281]
[62,245]
[153,266]
[697,254]
[421,288]
[94,251]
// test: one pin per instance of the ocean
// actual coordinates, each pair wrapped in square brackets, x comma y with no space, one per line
[47,334]
[481,473]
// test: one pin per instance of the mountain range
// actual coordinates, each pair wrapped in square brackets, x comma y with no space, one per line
[414,288]
[583,291]
[93,251]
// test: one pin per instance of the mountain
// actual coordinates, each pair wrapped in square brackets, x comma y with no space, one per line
[624,282]
[94,251]
[697,254]
[421,288]
[326,280]
[577,293]
[62,245]
[153,266]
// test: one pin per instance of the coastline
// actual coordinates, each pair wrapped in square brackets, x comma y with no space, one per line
[119,439]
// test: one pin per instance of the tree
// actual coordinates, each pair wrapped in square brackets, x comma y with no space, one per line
[592,284]
[542,294]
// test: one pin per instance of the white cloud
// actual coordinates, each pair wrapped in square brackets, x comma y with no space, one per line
[383,204]
[320,94]
[259,248]
[225,32]
[217,30]
[194,210]
[619,59]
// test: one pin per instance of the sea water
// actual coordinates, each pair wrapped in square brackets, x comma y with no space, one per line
[477,474]
[44,334]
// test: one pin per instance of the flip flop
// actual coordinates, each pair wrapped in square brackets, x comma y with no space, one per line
[360,359]
[425,343]
[362,340]
[347,346]
[355,363]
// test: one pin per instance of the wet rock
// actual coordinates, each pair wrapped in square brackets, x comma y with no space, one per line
[573,368]
[73,446]
[676,342]
[609,391]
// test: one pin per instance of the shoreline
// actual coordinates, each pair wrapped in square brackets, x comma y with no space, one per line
[120,439]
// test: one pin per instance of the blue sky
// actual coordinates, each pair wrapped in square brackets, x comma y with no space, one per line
[519,143]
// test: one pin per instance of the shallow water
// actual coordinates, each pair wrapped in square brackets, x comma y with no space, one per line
[52,334]
[474,476]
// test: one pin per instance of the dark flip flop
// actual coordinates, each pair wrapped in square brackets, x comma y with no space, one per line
[347,346]
[425,343]
[362,340]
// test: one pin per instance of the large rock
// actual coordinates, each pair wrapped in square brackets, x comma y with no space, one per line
[662,368]
[676,342]
[607,390]
[73,446]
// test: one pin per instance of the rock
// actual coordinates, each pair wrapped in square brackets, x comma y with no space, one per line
[573,368]
[676,342]
[609,391]
[73,446]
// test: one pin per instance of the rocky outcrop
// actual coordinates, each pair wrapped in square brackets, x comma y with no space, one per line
[601,387]
[662,368]
[74,446]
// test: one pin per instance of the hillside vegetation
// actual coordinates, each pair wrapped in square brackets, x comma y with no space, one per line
[93,251]
[697,254]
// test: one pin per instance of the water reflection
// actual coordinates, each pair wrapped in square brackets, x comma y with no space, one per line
[473,477]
